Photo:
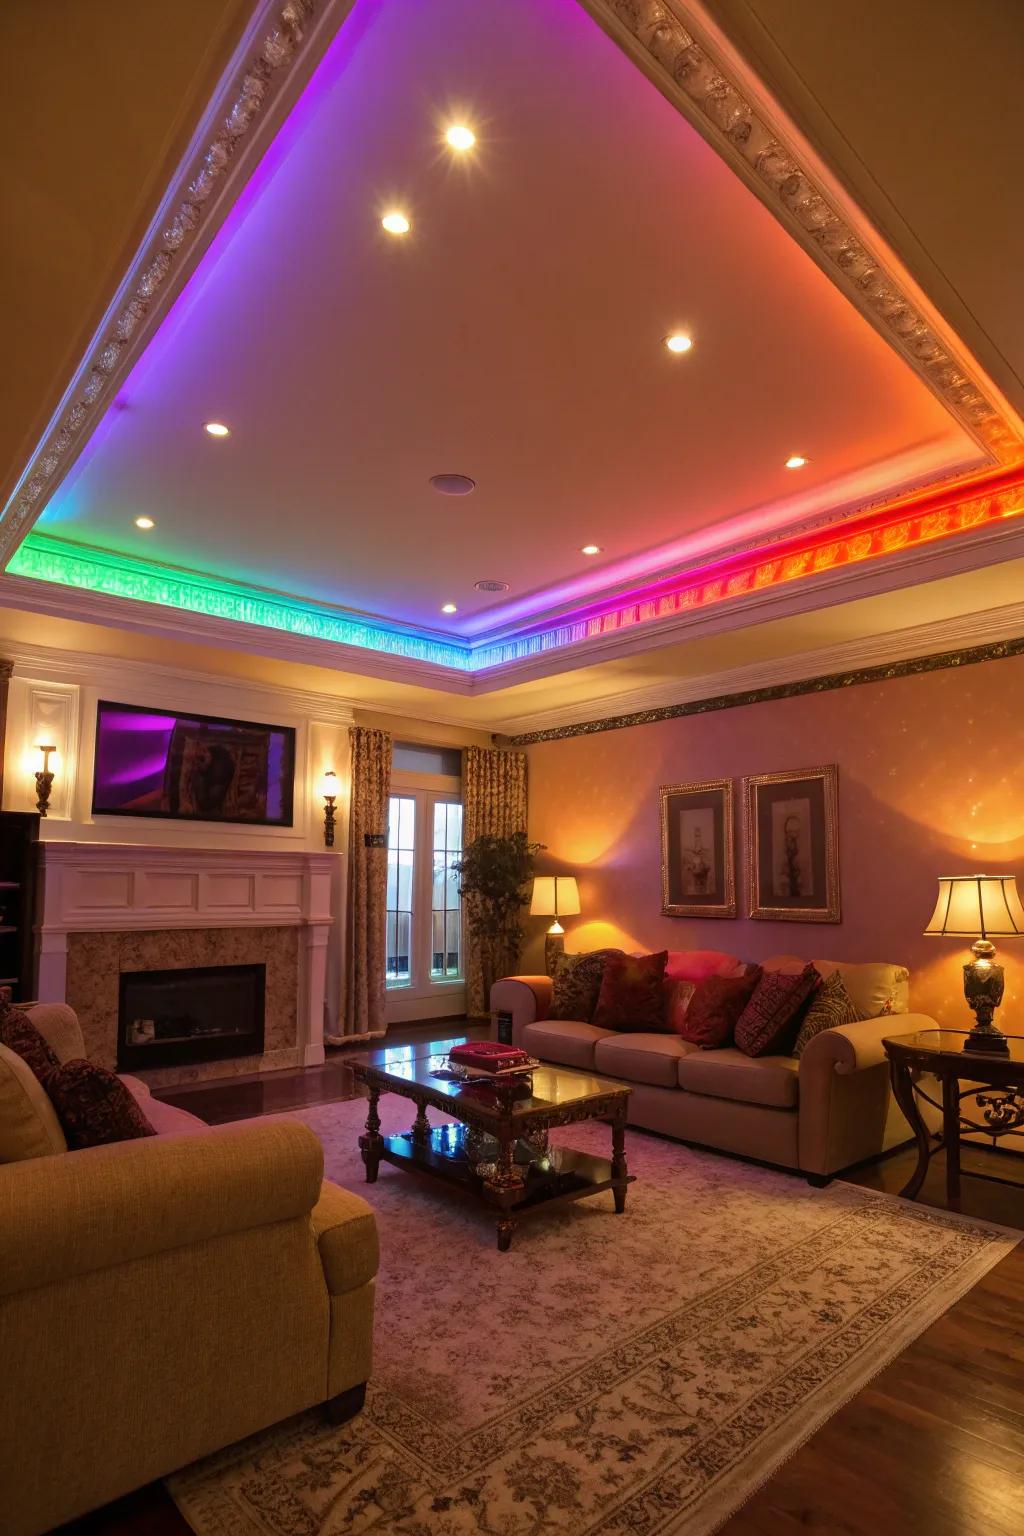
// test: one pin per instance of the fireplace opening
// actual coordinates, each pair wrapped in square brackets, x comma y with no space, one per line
[179,1018]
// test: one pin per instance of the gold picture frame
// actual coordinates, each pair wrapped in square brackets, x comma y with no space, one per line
[698,871]
[791,836]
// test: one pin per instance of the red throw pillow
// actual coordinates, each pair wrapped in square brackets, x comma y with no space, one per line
[94,1106]
[769,1023]
[677,999]
[698,964]
[715,1006]
[20,1035]
[632,995]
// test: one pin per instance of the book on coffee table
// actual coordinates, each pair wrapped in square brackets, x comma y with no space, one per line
[489,1056]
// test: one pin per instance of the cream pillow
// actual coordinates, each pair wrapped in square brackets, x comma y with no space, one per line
[28,1122]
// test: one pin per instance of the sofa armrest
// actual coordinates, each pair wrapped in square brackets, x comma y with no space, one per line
[82,1211]
[854,1047]
[346,1234]
[526,998]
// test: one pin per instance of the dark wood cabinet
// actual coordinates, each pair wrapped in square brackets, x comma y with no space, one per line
[19,850]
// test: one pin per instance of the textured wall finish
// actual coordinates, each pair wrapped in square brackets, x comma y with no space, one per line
[931,782]
[96,960]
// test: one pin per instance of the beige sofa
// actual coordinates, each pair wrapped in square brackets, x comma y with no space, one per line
[823,1113]
[164,1297]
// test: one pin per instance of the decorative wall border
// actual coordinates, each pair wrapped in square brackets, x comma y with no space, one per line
[694,75]
[241,105]
[998,650]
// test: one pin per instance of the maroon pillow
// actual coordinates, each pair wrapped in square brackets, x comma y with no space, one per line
[94,1106]
[769,1023]
[632,995]
[715,1006]
[20,1035]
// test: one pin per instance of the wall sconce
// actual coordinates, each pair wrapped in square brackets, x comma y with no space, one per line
[329,790]
[44,780]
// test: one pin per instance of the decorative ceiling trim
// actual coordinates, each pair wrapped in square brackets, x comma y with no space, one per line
[277,42]
[963,631]
[670,41]
[998,650]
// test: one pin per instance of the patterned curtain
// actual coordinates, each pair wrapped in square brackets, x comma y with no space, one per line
[494,802]
[366,936]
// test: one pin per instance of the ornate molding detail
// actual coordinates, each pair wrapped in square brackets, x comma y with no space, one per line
[160,258]
[691,72]
[998,650]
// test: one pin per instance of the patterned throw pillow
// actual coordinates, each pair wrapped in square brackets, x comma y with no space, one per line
[93,1105]
[678,995]
[830,1007]
[576,981]
[768,1024]
[20,1035]
[714,1008]
[632,995]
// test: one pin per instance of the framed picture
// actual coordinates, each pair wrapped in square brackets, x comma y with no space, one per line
[792,844]
[697,870]
[150,762]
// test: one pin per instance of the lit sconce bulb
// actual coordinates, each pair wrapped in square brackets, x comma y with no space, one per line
[329,789]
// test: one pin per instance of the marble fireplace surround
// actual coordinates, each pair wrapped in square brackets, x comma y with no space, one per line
[109,908]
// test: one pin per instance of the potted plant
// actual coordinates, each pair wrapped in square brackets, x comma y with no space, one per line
[493,875]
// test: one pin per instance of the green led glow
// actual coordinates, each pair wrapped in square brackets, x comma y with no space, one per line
[47,559]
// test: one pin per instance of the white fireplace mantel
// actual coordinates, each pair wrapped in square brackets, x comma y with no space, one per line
[122,887]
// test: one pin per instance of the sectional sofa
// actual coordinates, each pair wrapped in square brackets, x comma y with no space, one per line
[829,1110]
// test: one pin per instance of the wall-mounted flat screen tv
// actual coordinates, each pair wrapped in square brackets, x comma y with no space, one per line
[192,767]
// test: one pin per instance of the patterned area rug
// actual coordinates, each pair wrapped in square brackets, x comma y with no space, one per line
[637,1374]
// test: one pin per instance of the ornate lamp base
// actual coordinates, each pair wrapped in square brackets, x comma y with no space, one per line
[983,989]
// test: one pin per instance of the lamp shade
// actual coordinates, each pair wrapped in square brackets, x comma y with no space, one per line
[328,786]
[973,906]
[555,896]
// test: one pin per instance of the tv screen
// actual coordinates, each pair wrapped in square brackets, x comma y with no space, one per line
[192,767]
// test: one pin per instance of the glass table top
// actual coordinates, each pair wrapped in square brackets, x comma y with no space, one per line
[418,1066]
[952,1042]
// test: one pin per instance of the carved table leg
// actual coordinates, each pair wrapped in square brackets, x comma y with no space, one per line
[619,1166]
[421,1125]
[505,1187]
[951,1139]
[903,1092]
[371,1141]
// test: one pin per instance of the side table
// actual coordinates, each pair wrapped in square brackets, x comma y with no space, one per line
[995,1083]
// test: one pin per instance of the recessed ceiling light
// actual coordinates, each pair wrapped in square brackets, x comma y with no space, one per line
[453,485]
[591,549]
[460,137]
[796,461]
[491,586]
[448,608]
[396,223]
[144,522]
[216,429]
[677,342]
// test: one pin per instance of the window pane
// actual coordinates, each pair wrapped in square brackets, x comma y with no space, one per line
[401,861]
[446,936]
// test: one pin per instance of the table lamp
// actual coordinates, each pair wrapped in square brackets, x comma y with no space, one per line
[978,906]
[554,896]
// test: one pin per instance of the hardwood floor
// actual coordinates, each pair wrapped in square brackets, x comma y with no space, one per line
[935,1443]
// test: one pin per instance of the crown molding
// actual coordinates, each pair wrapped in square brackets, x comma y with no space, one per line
[830,666]
[687,56]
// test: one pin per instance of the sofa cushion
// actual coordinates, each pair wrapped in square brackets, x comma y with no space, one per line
[699,964]
[642,1058]
[568,1041]
[575,984]
[768,1024]
[22,1037]
[93,1106]
[773,1081]
[715,1006]
[632,995]
[876,987]
[28,1122]
[830,1007]
[166,1119]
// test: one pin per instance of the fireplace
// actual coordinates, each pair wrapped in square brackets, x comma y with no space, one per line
[182,1017]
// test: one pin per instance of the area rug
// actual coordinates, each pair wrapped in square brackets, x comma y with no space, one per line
[612,1375]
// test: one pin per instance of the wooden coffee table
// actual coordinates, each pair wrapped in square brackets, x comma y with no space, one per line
[499,1150]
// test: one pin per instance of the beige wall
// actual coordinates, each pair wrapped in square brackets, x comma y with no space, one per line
[931,781]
